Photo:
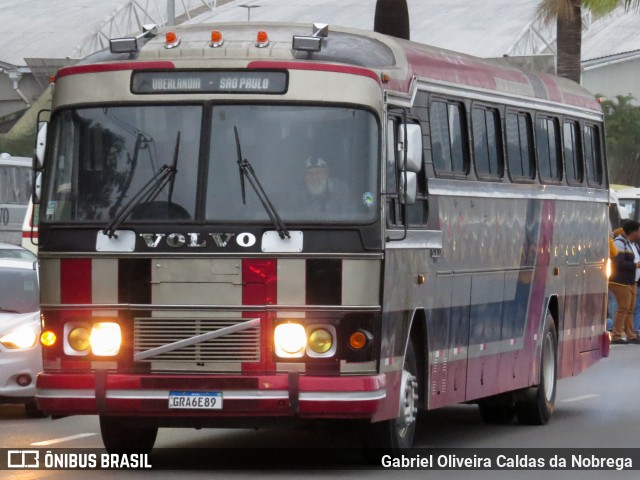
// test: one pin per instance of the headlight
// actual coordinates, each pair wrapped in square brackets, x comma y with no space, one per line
[290,340]
[105,339]
[322,341]
[21,338]
[79,339]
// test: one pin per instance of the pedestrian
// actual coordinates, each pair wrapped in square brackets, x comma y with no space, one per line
[623,283]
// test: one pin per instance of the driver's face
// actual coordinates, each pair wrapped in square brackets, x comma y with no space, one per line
[316,180]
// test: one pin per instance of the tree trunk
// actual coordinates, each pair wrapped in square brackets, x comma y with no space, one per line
[392,18]
[569,44]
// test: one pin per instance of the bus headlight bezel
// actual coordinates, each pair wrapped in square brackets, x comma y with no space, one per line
[102,339]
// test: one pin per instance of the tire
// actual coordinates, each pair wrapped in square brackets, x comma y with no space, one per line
[396,435]
[32,410]
[499,410]
[121,434]
[537,404]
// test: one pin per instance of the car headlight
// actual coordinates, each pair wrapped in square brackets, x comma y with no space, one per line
[21,338]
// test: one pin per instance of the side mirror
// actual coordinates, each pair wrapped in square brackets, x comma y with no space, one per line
[41,143]
[413,145]
[408,187]
[37,189]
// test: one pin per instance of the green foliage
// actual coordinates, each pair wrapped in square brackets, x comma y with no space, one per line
[622,123]
[18,147]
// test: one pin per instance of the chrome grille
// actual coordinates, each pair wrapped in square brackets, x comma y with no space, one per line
[243,346]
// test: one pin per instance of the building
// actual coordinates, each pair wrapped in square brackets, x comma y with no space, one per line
[611,55]
[40,36]
[36,47]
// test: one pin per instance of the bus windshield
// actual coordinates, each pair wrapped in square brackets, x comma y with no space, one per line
[104,156]
[316,164]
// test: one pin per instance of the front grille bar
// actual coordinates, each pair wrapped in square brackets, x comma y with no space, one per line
[187,342]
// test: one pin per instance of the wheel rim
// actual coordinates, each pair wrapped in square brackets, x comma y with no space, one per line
[548,366]
[408,403]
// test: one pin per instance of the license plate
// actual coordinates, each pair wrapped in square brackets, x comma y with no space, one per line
[196,400]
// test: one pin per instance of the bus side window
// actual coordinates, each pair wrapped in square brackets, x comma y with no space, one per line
[548,147]
[592,156]
[393,205]
[487,144]
[573,164]
[519,145]
[448,146]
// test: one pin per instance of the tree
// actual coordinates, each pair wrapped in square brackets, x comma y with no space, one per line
[392,18]
[568,17]
[622,121]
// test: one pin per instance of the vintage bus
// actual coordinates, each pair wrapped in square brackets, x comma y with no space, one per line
[242,225]
[15,189]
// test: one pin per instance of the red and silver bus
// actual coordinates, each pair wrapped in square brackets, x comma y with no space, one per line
[241,225]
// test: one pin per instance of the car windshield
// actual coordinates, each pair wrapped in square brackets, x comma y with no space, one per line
[316,164]
[17,253]
[18,290]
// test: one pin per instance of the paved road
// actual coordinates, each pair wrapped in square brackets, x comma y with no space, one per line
[596,409]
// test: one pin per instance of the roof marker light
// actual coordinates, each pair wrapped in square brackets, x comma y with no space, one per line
[262,39]
[171,40]
[216,39]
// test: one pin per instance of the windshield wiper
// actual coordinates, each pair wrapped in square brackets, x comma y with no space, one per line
[148,192]
[246,169]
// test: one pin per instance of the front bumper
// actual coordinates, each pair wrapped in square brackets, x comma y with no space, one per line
[291,395]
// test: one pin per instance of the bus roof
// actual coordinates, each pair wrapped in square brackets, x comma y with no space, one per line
[400,60]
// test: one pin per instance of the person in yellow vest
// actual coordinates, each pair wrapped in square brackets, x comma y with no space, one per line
[623,283]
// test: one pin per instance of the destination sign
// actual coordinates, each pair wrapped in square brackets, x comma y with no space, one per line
[214,81]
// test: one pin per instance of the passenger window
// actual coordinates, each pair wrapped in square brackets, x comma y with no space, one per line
[487,147]
[519,146]
[547,138]
[592,155]
[573,165]
[448,151]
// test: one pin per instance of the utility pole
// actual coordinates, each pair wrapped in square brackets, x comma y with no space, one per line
[171,12]
[249,7]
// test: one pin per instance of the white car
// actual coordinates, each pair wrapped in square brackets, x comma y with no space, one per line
[20,351]
[8,250]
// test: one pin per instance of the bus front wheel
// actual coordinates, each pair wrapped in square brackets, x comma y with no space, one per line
[396,435]
[121,434]
[537,403]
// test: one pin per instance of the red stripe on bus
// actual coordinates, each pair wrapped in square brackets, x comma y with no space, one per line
[75,280]
[259,281]
[260,287]
[113,67]
[321,67]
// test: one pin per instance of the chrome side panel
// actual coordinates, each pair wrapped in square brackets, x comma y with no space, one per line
[505,251]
